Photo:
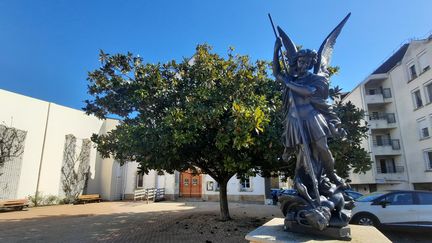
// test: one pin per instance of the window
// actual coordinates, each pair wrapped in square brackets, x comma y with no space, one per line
[412,71]
[394,143]
[140,180]
[418,102]
[245,184]
[391,118]
[404,198]
[387,166]
[425,132]
[379,140]
[424,198]
[386,93]
[210,185]
[428,158]
[428,91]
[423,62]
[216,187]
[423,128]
[372,92]
[383,140]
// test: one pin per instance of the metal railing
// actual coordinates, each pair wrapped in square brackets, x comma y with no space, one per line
[149,194]
[390,170]
[385,92]
[389,117]
[394,143]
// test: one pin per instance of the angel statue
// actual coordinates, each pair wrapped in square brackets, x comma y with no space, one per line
[308,124]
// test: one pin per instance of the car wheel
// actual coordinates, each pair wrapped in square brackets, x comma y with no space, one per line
[366,219]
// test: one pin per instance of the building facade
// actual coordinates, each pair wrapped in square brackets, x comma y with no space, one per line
[56,148]
[397,99]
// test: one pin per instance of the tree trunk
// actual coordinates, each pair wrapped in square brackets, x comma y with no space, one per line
[223,200]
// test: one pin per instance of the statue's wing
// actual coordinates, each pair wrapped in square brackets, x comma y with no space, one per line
[326,50]
[291,49]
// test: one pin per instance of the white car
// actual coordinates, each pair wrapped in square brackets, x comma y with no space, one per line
[394,208]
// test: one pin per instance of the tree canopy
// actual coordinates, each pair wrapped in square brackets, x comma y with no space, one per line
[218,114]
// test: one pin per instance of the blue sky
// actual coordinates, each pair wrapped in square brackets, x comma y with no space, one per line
[47,47]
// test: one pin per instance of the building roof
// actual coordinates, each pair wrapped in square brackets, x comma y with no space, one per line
[392,61]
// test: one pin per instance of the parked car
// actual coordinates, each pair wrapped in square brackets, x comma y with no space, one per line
[394,208]
[276,193]
[353,194]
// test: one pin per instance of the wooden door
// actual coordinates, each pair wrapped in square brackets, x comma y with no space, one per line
[190,185]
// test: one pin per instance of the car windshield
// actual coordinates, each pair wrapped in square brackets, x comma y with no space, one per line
[370,197]
[353,194]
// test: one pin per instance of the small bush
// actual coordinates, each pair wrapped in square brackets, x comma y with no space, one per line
[41,200]
[51,200]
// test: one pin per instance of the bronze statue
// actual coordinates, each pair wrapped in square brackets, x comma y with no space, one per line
[308,124]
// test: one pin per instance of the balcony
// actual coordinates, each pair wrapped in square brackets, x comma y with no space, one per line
[378,96]
[382,121]
[391,174]
[391,170]
[382,147]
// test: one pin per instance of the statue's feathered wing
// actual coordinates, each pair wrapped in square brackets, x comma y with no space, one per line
[326,50]
[291,49]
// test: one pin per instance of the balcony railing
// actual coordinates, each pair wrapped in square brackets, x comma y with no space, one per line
[394,143]
[390,170]
[389,117]
[385,92]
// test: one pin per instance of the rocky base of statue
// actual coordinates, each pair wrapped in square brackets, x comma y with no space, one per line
[339,233]
[328,217]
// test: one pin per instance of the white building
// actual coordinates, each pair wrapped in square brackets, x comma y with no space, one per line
[56,135]
[396,98]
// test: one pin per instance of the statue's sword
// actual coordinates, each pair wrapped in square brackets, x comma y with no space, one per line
[305,147]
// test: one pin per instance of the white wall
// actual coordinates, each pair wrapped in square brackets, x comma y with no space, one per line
[63,121]
[131,177]
[172,186]
[150,180]
[233,187]
[47,125]
[105,169]
[396,186]
[408,116]
[30,115]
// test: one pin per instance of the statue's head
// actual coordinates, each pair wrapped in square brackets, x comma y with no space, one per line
[304,60]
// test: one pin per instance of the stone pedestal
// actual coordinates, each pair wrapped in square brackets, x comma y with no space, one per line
[273,232]
[343,233]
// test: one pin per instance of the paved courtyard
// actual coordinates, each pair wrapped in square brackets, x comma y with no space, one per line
[141,222]
[133,222]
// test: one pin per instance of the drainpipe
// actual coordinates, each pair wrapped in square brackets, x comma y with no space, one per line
[42,154]
[124,180]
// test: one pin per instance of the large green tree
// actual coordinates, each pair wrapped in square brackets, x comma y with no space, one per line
[218,114]
[348,153]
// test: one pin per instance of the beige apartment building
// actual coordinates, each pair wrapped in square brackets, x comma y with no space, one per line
[397,99]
